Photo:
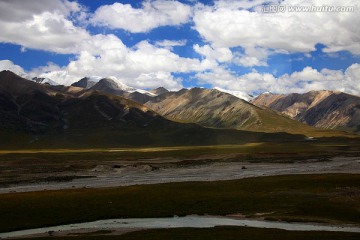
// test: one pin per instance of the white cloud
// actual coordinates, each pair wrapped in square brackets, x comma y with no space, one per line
[229,24]
[243,4]
[152,80]
[351,80]
[302,81]
[51,26]
[9,65]
[169,44]
[40,24]
[56,26]
[252,57]
[151,15]
[143,66]
[248,61]
[19,10]
[214,54]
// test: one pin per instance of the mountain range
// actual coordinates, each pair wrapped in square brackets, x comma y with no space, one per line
[215,108]
[34,115]
[105,112]
[323,109]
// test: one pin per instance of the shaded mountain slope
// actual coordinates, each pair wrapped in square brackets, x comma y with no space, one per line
[324,109]
[160,90]
[61,107]
[84,83]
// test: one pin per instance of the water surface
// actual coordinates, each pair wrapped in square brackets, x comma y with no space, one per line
[180,222]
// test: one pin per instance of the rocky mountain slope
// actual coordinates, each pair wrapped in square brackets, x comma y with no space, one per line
[158,91]
[43,116]
[213,108]
[85,82]
[115,87]
[324,109]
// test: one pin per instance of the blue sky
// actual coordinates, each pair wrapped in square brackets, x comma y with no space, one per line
[147,44]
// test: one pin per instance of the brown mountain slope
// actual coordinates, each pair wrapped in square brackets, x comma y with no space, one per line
[213,108]
[325,109]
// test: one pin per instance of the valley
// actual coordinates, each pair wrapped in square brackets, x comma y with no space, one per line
[101,150]
[179,119]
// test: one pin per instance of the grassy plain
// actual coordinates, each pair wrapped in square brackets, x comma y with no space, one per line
[324,147]
[332,198]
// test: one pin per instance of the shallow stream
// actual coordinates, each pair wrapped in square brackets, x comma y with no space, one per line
[179,222]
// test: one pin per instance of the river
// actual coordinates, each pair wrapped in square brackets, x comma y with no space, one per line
[192,221]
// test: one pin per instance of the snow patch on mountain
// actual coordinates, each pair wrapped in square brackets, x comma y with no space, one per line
[129,89]
[94,78]
[44,80]
[238,94]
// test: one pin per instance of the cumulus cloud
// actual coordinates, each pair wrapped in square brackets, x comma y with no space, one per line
[252,57]
[243,4]
[233,32]
[147,57]
[41,24]
[169,44]
[51,26]
[152,80]
[152,14]
[143,66]
[214,54]
[24,10]
[9,65]
[229,24]
[301,81]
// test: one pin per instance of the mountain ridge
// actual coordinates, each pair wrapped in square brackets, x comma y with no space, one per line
[212,108]
[323,109]
[197,109]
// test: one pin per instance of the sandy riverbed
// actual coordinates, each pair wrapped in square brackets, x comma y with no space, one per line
[108,175]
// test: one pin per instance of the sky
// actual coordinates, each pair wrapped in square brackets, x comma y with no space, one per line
[234,45]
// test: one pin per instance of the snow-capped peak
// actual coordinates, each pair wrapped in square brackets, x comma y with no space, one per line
[238,94]
[129,89]
[146,92]
[121,85]
[94,78]
[43,80]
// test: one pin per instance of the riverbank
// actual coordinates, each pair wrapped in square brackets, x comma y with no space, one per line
[121,226]
[164,170]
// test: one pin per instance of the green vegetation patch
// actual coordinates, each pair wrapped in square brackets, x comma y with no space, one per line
[320,198]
